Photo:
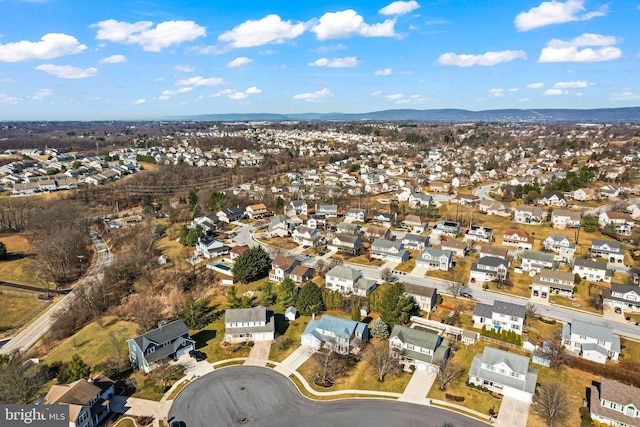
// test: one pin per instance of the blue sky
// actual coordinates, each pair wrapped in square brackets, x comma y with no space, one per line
[85,60]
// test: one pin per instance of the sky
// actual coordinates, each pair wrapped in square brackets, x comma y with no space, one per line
[153,59]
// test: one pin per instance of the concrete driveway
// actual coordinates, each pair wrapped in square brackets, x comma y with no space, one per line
[259,354]
[294,360]
[193,368]
[418,387]
[513,413]
[609,313]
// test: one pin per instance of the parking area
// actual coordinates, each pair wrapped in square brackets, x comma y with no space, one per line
[193,368]
[611,313]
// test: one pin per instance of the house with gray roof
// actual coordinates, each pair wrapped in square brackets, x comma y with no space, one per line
[505,373]
[423,296]
[295,208]
[615,404]
[420,199]
[479,233]
[348,228]
[329,211]
[488,269]
[563,219]
[596,271]
[383,219]
[591,342]
[626,297]
[610,251]
[435,259]
[249,324]
[548,282]
[336,334]
[349,281]
[448,228]
[528,214]
[417,348]
[357,215]
[169,341]
[500,315]
[278,226]
[561,245]
[458,247]
[346,243]
[415,241]
[536,261]
[388,250]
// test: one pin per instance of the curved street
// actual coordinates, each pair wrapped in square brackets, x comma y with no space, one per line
[254,396]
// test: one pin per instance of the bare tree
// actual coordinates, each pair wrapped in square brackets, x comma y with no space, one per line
[322,267]
[448,372]
[380,357]
[146,309]
[455,288]
[555,351]
[530,314]
[327,367]
[386,274]
[552,404]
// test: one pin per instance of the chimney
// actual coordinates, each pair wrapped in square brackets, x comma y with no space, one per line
[313,315]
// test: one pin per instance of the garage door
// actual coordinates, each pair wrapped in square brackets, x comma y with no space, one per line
[184,351]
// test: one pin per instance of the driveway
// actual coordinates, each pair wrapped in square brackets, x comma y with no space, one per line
[193,368]
[134,406]
[513,413]
[418,387]
[259,397]
[418,271]
[294,360]
[609,313]
[259,354]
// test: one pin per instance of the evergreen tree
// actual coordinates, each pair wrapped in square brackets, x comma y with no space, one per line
[267,293]
[233,300]
[74,370]
[216,202]
[355,313]
[253,264]
[379,329]
[3,250]
[197,313]
[394,305]
[287,293]
[310,299]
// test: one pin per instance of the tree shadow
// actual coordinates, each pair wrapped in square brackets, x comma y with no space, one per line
[13,256]
[203,337]
[282,324]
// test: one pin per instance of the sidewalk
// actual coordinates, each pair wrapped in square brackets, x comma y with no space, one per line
[294,361]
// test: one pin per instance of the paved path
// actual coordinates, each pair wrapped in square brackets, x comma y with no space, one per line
[294,361]
[259,354]
[418,387]
[513,413]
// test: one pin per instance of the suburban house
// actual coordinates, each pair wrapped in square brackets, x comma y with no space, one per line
[256,211]
[377,232]
[596,271]
[348,228]
[420,199]
[493,207]
[423,296]
[230,215]
[417,348]
[583,194]
[466,199]
[356,215]
[306,236]
[626,297]
[281,268]
[505,373]
[615,404]
[609,191]
[528,214]
[448,228]
[415,241]
[295,208]
[622,222]
[415,224]
[489,269]
[278,226]
[388,250]
[458,247]
[500,315]
[478,233]
[301,274]
[560,244]
[435,259]
[536,261]
[346,280]
[548,282]
[210,247]
[592,342]
[346,243]
[518,238]
[610,251]
[439,187]
[563,219]
[336,334]
[236,251]
[552,200]
[249,324]
[208,223]
[329,211]
[88,401]
[168,341]
[383,219]
[496,251]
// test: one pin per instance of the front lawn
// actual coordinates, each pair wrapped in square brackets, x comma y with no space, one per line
[290,332]
[18,309]
[362,259]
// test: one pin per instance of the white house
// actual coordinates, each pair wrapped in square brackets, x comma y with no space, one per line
[256,211]
[388,250]
[295,208]
[435,259]
[415,224]
[518,238]
[536,261]
[615,404]
[306,236]
[448,228]
[610,251]
[416,242]
[346,243]
[478,233]
[626,297]
[348,281]
[249,324]
[488,269]
[592,342]
[622,222]
[548,282]
[528,214]
[329,211]
[562,219]
[334,333]
[423,296]
[281,268]
[356,215]
[209,247]
[500,315]
[560,244]
[417,348]
[505,373]
[596,271]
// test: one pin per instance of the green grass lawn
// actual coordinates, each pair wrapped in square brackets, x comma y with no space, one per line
[17,310]
[21,265]
[209,340]
[125,422]
[407,266]
[291,330]
[178,389]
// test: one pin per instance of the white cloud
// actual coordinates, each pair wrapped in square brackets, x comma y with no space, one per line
[329,48]
[314,96]
[67,71]
[399,8]
[555,12]
[346,62]
[385,72]
[238,95]
[486,59]
[496,92]
[239,62]
[184,68]
[400,98]
[376,93]
[347,23]
[139,101]
[113,59]
[42,93]
[513,89]
[626,95]
[200,81]
[569,51]
[395,96]
[253,90]
[8,99]
[535,85]
[52,45]
[270,29]
[555,92]
[165,34]
[167,94]
[572,85]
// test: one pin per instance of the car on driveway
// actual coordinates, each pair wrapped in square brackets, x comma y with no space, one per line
[198,355]
[466,295]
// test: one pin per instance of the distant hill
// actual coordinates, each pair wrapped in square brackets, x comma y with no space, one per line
[599,115]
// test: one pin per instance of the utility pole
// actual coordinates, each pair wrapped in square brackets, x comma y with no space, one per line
[80,257]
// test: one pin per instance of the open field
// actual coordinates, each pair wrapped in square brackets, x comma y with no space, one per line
[20,265]
[17,309]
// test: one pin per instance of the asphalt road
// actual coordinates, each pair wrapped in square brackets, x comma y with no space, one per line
[37,328]
[260,397]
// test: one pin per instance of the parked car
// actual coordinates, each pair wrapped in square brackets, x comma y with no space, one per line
[198,355]
[178,424]
[466,295]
